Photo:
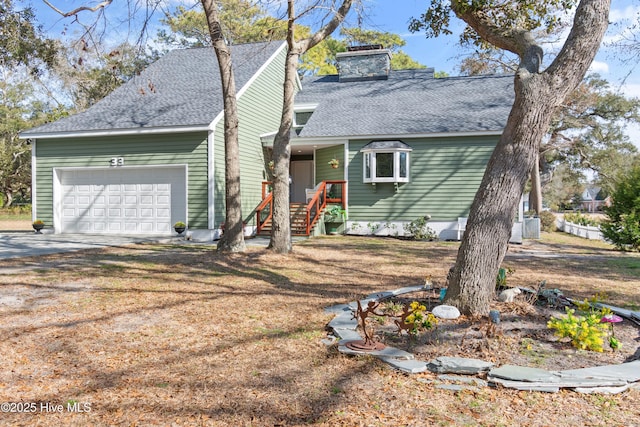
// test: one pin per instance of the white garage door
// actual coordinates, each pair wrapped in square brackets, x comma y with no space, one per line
[122,201]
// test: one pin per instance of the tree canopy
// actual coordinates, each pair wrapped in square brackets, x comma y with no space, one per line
[587,133]
[241,21]
[494,23]
[22,41]
[25,53]
[622,226]
[246,22]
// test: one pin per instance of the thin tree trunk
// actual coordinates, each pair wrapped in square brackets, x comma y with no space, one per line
[233,238]
[535,194]
[281,231]
[281,222]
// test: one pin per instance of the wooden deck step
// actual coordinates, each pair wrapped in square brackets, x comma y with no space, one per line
[298,217]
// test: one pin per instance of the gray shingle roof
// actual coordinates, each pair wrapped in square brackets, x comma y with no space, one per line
[409,102]
[186,93]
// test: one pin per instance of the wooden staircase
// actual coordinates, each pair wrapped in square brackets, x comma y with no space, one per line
[304,216]
[298,214]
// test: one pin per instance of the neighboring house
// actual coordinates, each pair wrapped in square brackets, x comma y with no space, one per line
[594,199]
[151,153]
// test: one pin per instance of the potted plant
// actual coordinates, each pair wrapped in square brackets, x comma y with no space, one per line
[334,163]
[179,227]
[38,225]
[334,219]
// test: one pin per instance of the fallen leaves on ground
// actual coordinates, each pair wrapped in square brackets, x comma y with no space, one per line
[183,335]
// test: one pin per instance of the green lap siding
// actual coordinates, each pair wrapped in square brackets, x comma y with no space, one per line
[259,111]
[323,170]
[136,150]
[445,174]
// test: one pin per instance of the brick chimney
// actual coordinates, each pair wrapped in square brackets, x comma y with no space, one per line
[360,63]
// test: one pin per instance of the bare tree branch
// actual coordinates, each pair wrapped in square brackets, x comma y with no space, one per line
[77,10]
[303,46]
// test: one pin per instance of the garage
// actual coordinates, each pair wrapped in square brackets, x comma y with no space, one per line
[121,200]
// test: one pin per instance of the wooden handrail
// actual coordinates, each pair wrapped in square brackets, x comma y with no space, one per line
[265,188]
[313,209]
[266,201]
[320,200]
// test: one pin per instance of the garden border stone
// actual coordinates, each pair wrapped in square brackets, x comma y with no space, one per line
[607,379]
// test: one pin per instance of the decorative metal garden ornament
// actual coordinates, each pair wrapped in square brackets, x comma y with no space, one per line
[369,343]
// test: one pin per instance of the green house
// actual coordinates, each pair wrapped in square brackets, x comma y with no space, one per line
[388,147]
[408,145]
[152,152]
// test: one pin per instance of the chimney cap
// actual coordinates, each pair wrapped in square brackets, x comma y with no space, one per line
[364,47]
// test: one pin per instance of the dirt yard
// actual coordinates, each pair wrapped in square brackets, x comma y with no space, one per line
[15,225]
[181,335]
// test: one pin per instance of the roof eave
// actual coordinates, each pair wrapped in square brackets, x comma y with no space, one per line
[112,132]
[397,136]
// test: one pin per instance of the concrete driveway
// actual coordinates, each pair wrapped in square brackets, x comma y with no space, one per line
[17,245]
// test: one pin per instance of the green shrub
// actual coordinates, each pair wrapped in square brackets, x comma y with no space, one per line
[622,227]
[419,230]
[547,221]
[586,332]
[16,210]
[335,214]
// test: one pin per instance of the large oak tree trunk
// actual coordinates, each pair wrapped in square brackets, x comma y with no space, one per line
[495,205]
[472,281]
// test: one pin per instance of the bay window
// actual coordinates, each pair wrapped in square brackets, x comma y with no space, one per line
[386,161]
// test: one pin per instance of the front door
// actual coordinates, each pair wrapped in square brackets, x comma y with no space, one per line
[301,179]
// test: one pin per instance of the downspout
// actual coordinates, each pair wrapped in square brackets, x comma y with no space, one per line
[346,178]
[212,169]
[34,210]
[211,176]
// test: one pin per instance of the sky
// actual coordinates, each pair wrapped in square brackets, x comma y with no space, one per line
[441,53]
[393,16]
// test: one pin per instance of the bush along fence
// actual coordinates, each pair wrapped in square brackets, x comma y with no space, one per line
[581,226]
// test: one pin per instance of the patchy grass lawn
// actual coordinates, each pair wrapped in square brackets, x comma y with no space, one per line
[182,335]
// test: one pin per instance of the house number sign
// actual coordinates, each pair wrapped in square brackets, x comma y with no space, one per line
[117,161]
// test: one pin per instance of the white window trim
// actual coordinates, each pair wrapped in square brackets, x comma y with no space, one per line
[305,108]
[371,154]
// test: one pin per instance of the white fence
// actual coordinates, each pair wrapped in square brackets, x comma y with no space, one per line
[584,231]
